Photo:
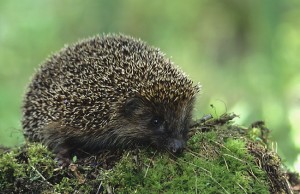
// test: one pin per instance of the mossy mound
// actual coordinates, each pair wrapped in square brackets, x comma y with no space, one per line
[220,158]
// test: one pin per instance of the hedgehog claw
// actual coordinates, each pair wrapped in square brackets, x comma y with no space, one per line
[62,155]
[62,161]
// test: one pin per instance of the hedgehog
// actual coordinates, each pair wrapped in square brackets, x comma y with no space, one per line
[106,92]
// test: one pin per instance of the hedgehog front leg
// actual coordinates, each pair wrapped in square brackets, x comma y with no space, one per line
[56,136]
[62,155]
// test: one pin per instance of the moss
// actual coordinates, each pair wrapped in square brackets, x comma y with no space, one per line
[220,158]
[156,172]
[66,185]
[10,171]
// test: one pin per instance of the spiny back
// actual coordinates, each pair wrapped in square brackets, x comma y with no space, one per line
[85,85]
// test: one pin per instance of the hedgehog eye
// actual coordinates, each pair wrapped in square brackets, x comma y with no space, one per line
[157,121]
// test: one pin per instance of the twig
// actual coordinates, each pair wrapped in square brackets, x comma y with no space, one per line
[242,187]
[100,185]
[40,175]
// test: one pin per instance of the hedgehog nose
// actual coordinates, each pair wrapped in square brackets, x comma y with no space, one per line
[176,146]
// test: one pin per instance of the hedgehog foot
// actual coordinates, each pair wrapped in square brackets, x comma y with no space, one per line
[54,136]
[62,155]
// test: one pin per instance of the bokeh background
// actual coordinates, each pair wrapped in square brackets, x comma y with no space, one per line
[246,54]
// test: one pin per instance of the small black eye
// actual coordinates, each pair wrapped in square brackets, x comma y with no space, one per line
[157,121]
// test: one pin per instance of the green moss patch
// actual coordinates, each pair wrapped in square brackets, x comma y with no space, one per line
[220,158]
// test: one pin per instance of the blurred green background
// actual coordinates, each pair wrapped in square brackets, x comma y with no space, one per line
[244,53]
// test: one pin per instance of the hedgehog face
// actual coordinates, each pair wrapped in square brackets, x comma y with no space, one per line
[165,126]
[173,126]
[169,131]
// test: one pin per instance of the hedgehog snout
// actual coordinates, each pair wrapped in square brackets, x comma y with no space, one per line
[176,145]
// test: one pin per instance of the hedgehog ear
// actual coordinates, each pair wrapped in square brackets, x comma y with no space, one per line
[132,105]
